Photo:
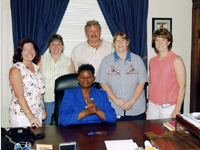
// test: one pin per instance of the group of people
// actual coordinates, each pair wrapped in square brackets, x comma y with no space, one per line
[121,74]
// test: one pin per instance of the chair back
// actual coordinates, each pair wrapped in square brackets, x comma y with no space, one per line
[68,81]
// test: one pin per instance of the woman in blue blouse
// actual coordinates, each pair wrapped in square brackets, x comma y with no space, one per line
[85,104]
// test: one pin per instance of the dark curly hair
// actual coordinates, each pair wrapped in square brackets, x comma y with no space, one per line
[86,67]
[17,57]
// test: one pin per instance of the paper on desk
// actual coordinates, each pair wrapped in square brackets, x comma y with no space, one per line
[121,145]
[191,119]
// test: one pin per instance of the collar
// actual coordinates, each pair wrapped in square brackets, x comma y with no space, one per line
[91,95]
[128,56]
[61,56]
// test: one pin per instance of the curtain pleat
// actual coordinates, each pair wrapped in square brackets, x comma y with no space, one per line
[37,20]
[130,17]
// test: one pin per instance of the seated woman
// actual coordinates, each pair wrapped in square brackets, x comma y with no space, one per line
[85,104]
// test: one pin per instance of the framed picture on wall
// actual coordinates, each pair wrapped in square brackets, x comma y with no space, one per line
[158,23]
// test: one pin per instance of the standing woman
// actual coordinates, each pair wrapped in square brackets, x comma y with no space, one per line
[52,66]
[167,78]
[27,87]
[123,75]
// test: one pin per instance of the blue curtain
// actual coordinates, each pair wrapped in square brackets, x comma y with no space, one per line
[130,17]
[36,19]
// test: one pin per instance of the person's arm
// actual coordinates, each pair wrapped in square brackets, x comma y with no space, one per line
[94,109]
[72,67]
[142,79]
[119,102]
[100,113]
[74,59]
[91,109]
[148,99]
[40,64]
[138,90]
[16,82]
[44,113]
[68,113]
[181,79]
[107,109]
[104,110]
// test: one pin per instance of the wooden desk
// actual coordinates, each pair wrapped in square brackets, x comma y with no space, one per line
[117,131]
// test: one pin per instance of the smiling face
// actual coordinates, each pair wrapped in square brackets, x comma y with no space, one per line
[161,44]
[121,44]
[56,47]
[28,52]
[164,36]
[86,79]
[93,33]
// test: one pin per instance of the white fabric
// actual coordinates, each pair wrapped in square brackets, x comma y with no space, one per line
[84,53]
[33,87]
[157,112]
[22,120]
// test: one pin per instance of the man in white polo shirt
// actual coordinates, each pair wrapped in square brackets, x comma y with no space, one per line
[94,49]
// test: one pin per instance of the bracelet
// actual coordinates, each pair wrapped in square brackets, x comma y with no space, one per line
[27,112]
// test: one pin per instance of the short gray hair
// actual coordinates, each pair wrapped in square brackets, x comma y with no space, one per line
[91,23]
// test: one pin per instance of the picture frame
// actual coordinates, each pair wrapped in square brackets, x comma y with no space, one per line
[44,146]
[158,23]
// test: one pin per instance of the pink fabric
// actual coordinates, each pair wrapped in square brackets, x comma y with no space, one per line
[163,83]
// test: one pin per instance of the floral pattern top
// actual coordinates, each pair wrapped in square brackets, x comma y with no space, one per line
[33,88]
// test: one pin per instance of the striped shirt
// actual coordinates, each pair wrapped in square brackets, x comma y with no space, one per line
[51,71]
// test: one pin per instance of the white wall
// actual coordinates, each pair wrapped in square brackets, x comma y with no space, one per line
[6,59]
[180,11]
[0,61]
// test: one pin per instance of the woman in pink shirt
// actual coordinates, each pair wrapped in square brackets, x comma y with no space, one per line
[167,78]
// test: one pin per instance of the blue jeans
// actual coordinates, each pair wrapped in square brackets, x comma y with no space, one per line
[50,110]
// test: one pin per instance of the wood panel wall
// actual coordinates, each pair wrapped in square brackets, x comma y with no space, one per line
[195,60]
